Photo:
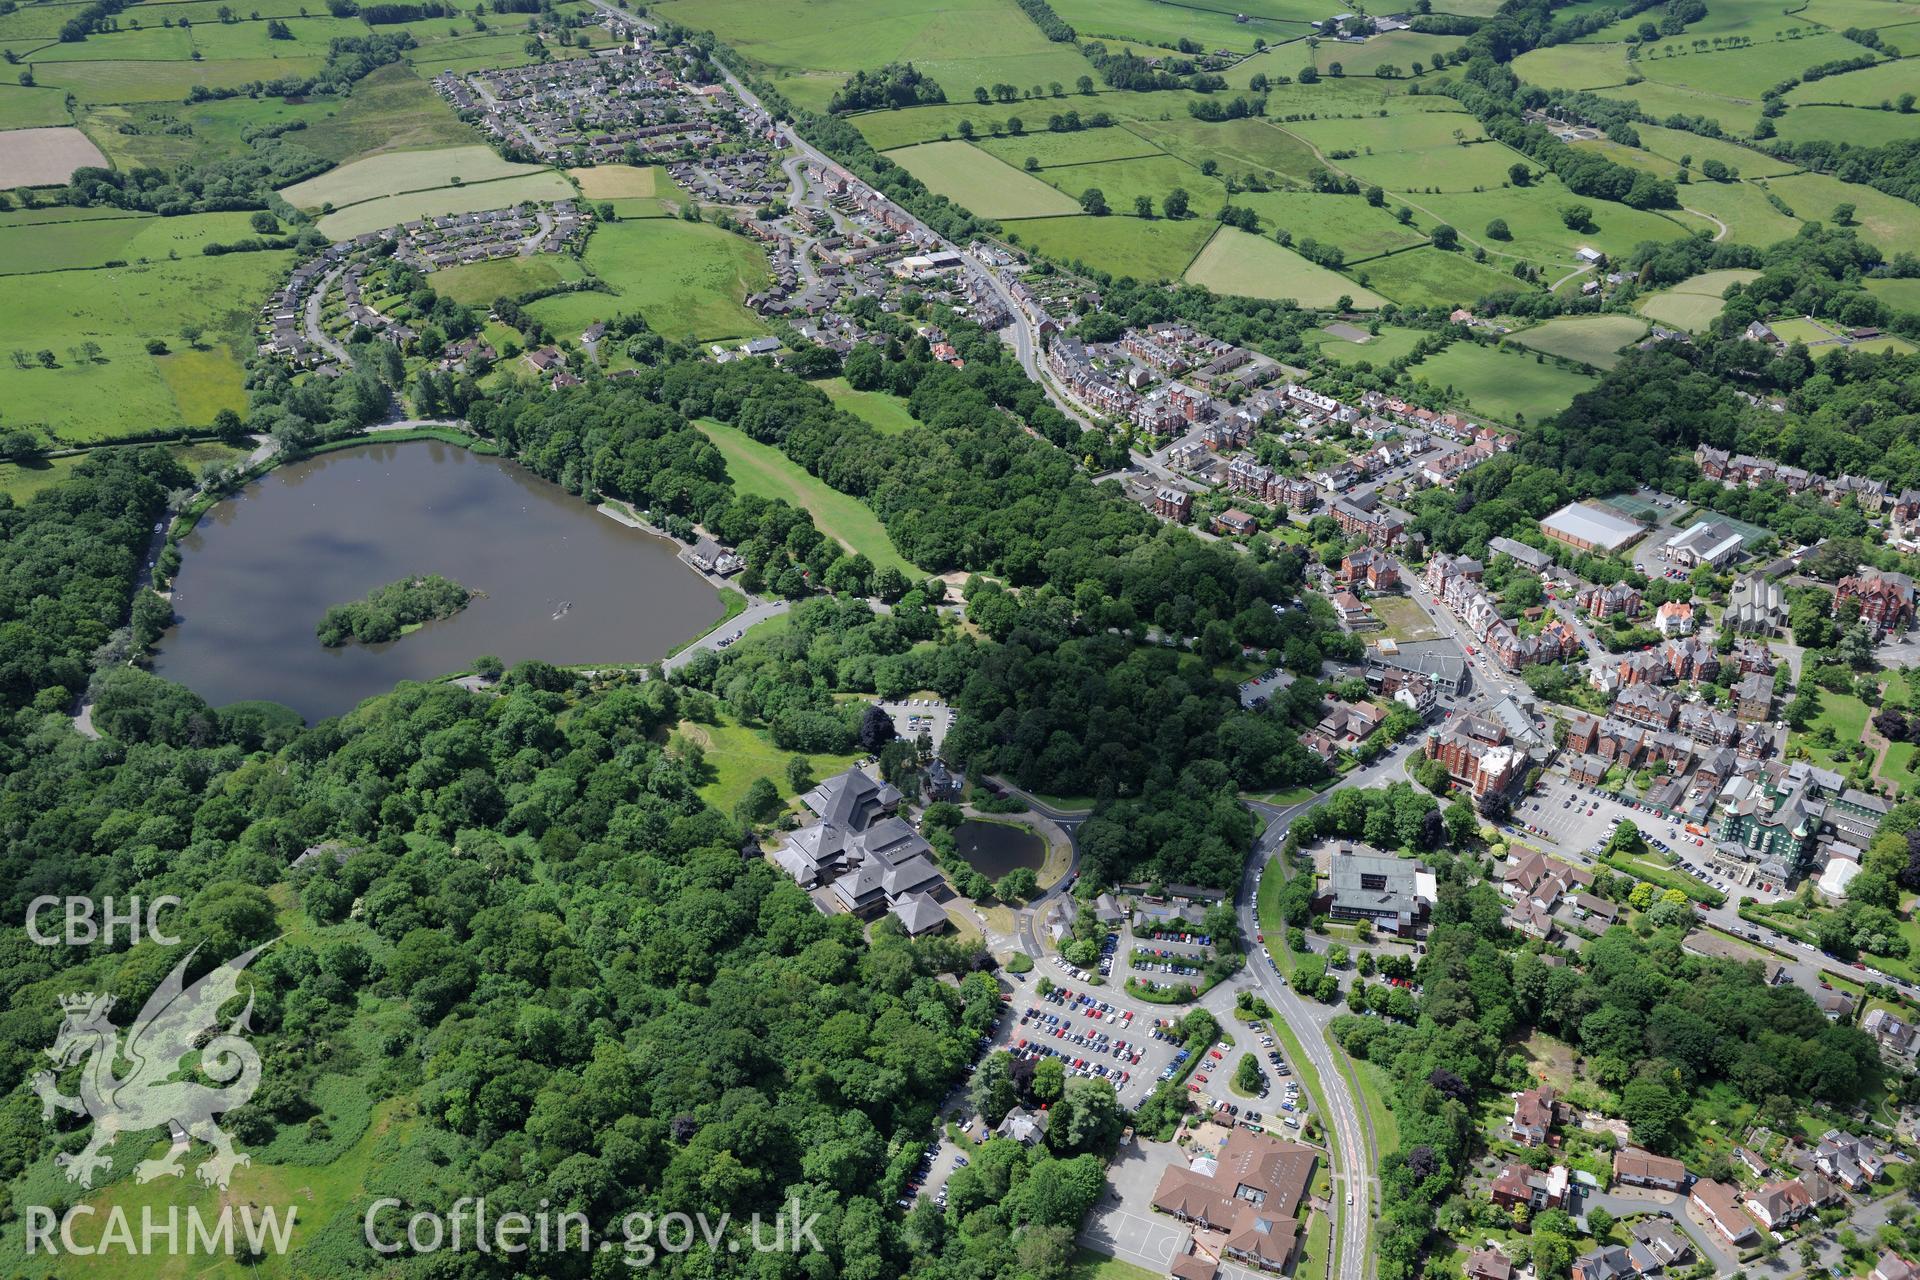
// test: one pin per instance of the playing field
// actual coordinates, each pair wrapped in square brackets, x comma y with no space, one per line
[1235,262]
[980,182]
[615,181]
[479,283]
[1594,340]
[1434,278]
[1694,302]
[809,49]
[689,279]
[762,469]
[45,157]
[1505,385]
[94,242]
[398,172]
[1156,250]
[125,389]
[1391,343]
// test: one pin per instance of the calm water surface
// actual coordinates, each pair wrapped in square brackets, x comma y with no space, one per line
[262,567]
[993,848]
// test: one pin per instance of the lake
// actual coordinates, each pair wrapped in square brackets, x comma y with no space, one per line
[994,848]
[262,567]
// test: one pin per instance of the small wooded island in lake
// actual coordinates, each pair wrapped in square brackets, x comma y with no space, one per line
[391,611]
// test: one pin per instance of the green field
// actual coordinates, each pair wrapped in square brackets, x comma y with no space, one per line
[1694,302]
[135,81]
[1453,167]
[1574,66]
[1156,250]
[1841,14]
[762,469]
[127,390]
[1395,48]
[733,755]
[1741,73]
[1594,340]
[1749,216]
[399,172]
[1539,233]
[1121,181]
[1237,146]
[1868,87]
[886,413]
[1661,100]
[1902,295]
[1358,228]
[1154,22]
[25,108]
[1891,223]
[962,44]
[1435,278]
[1391,343]
[980,182]
[390,110]
[1677,145]
[93,242]
[479,283]
[689,279]
[373,215]
[1083,146]
[1502,384]
[1860,126]
[1235,262]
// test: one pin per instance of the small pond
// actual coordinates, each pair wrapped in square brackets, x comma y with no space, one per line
[995,848]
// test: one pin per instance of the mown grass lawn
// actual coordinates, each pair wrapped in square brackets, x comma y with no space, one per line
[1503,384]
[886,413]
[735,754]
[762,469]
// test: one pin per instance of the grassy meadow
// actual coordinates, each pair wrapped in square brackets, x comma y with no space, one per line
[762,469]
[690,280]
[1594,340]
[1505,385]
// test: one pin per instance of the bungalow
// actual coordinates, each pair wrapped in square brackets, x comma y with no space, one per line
[1718,1203]
[1662,1242]
[1636,1168]
[1608,1262]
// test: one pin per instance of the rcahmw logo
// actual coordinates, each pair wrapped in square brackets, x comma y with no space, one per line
[160,1232]
[180,1023]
